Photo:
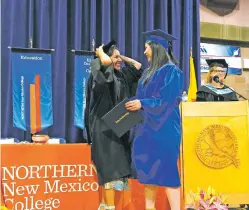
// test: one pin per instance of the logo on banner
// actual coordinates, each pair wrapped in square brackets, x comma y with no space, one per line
[203,49]
[217,147]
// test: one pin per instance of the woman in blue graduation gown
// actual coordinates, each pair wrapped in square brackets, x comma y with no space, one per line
[157,139]
[213,90]
[108,85]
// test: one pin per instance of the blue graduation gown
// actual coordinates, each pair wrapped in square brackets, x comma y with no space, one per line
[157,139]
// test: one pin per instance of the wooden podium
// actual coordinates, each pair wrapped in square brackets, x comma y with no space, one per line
[215,148]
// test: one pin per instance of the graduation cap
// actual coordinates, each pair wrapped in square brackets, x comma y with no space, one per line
[107,47]
[159,36]
[217,62]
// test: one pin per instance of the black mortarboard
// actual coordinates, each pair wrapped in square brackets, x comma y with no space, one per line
[120,120]
[108,46]
[159,37]
[213,62]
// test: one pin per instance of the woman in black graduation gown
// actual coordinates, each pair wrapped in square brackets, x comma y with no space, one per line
[213,90]
[108,85]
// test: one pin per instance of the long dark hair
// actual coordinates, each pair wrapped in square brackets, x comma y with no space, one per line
[172,58]
[160,57]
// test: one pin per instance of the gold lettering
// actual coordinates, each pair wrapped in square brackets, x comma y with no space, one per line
[122,117]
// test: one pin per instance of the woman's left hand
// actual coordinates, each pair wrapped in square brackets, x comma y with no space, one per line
[133,105]
[99,50]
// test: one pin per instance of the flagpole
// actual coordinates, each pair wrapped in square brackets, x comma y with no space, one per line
[30,42]
[93,45]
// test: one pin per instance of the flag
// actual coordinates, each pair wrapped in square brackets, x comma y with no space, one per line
[82,71]
[192,82]
[32,89]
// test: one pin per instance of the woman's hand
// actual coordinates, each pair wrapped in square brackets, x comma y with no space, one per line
[104,58]
[99,50]
[131,62]
[133,105]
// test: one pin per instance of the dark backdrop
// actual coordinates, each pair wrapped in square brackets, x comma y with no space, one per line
[73,24]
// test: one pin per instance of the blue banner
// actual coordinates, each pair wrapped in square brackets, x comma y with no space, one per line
[231,54]
[32,89]
[82,72]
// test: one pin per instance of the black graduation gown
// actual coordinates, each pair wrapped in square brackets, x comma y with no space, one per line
[210,93]
[107,87]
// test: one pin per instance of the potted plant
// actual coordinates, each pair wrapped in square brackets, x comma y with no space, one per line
[208,200]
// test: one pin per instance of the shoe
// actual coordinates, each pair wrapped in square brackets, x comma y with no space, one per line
[102,206]
[110,207]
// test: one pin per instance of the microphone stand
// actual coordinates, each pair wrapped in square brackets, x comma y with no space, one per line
[240,96]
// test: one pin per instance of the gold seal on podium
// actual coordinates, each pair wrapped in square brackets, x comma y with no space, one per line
[217,147]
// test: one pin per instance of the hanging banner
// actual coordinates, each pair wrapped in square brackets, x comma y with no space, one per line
[32,89]
[231,54]
[82,72]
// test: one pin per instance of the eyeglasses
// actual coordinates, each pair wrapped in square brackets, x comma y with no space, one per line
[219,71]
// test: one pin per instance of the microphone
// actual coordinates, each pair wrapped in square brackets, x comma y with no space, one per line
[217,80]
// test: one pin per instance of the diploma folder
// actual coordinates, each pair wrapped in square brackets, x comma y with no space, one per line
[120,120]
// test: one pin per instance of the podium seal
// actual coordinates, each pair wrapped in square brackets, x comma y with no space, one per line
[217,147]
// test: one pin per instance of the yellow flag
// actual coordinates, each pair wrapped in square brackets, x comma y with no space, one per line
[192,82]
